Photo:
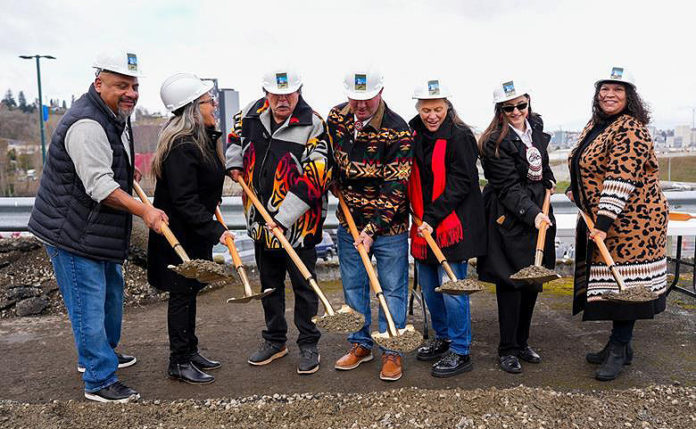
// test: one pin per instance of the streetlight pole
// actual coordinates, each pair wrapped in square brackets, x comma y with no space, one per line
[41,120]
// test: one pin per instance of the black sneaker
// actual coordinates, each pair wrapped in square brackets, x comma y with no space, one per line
[309,360]
[124,361]
[452,364]
[203,363]
[433,350]
[528,354]
[116,392]
[267,354]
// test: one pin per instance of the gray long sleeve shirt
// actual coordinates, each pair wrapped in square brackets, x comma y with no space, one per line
[90,151]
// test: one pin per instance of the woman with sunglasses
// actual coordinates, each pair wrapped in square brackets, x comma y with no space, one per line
[516,165]
[190,172]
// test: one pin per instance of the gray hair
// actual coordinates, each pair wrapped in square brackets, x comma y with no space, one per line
[451,113]
[186,122]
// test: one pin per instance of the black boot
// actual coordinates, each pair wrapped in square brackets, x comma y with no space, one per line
[598,357]
[452,364]
[188,373]
[614,362]
[204,364]
[433,350]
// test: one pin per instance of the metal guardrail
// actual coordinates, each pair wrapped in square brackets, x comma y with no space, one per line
[14,212]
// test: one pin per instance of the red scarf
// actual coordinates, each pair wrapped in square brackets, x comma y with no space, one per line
[450,230]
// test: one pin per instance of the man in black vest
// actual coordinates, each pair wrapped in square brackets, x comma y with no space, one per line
[82,214]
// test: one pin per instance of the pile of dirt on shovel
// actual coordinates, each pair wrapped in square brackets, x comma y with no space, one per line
[521,407]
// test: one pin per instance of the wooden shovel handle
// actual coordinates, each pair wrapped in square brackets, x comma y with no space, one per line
[436,250]
[168,234]
[236,260]
[541,236]
[681,216]
[374,281]
[604,252]
[287,246]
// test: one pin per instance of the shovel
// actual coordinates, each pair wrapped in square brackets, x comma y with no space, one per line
[402,340]
[248,294]
[624,295]
[537,273]
[454,286]
[345,320]
[199,269]
[681,216]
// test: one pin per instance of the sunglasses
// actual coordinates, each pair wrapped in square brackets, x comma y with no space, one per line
[509,109]
[212,102]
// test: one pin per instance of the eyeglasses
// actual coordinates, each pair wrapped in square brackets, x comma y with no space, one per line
[509,109]
[212,101]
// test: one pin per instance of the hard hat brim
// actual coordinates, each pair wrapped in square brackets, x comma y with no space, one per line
[430,97]
[284,91]
[601,81]
[131,74]
[361,96]
[508,98]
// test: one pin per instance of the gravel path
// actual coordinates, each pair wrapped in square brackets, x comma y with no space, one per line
[521,407]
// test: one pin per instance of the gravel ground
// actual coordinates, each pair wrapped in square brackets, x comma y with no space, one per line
[520,407]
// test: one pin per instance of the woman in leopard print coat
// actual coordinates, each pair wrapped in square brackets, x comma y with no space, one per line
[615,180]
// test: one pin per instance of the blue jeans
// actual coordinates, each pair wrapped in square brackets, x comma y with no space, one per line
[450,314]
[93,294]
[391,253]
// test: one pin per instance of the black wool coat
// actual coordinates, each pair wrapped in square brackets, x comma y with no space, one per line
[512,201]
[462,193]
[188,191]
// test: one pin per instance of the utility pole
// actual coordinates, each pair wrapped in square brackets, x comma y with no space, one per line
[40,109]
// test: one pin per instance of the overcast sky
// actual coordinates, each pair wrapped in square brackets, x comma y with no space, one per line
[559,47]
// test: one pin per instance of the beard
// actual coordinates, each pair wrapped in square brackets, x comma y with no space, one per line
[124,113]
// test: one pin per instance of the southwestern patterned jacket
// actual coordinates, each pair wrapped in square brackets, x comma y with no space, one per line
[372,170]
[289,171]
[619,185]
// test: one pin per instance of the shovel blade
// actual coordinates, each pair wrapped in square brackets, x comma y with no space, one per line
[460,287]
[344,321]
[406,340]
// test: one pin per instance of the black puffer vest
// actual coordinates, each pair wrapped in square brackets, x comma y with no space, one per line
[63,214]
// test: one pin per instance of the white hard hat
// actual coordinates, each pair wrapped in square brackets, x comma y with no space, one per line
[509,90]
[121,62]
[430,90]
[363,84]
[619,74]
[182,88]
[282,81]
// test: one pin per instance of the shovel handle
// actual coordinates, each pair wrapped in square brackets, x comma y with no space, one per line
[168,234]
[681,216]
[236,260]
[541,237]
[374,281]
[287,246]
[605,253]
[436,250]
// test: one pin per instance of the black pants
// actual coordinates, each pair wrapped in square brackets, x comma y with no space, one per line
[622,331]
[515,309]
[272,265]
[181,322]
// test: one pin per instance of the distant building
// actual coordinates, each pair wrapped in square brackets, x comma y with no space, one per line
[564,139]
[686,135]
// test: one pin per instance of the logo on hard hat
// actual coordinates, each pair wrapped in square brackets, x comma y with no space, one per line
[617,73]
[509,88]
[361,82]
[433,87]
[282,80]
[132,62]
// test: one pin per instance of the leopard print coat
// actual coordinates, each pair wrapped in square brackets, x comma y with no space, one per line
[619,186]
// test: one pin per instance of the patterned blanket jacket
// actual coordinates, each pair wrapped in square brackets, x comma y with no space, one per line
[289,170]
[616,181]
[373,168]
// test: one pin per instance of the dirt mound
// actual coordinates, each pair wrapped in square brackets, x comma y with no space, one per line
[520,407]
[27,285]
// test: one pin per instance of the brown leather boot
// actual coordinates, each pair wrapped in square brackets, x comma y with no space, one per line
[355,356]
[391,367]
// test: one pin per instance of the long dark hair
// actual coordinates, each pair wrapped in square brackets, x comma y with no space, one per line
[635,106]
[499,128]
